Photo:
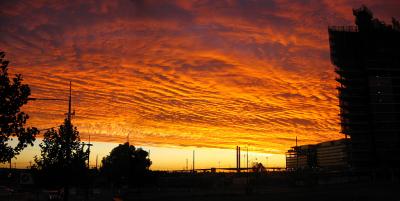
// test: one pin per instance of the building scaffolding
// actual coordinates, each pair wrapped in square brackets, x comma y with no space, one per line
[367,63]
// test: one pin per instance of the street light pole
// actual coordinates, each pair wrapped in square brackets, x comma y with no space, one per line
[89,145]
[69,133]
[193,161]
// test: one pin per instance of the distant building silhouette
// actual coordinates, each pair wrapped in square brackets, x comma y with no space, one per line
[330,155]
[367,60]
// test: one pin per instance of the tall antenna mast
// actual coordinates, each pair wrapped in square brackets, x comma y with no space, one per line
[127,138]
[69,133]
[69,103]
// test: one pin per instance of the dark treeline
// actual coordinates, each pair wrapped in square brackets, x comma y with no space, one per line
[62,162]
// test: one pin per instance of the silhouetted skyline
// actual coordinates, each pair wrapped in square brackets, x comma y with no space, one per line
[183,74]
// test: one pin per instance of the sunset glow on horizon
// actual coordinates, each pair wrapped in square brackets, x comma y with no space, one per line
[183,74]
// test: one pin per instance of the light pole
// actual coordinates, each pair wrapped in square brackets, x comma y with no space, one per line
[89,145]
[69,132]
[193,161]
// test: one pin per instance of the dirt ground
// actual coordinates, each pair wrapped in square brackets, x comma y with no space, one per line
[351,192]
[220,187]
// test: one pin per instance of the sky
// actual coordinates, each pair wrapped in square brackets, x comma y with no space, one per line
[182,75]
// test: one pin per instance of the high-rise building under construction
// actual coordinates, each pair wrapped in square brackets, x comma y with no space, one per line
[367,63]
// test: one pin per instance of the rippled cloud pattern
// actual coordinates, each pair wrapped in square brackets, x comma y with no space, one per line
[183,73]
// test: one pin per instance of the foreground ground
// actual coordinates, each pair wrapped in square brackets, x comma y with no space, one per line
[210,187]
[353,192]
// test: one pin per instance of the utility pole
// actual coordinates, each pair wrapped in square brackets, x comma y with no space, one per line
[68,151]
[247,165]
[297,156]
[237,160]
[89,145]
[193,161]
[68,133]
[88,158]
[97,157]
[244,158]
[239,156]
[69,102]
[247,161]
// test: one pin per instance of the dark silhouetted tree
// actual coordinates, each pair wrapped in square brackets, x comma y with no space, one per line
[13,95]
[126,164]
[62,157]
[258,167]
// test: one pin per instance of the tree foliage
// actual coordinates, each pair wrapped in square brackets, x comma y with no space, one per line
[126,164]
[62,154]
[258,167]
[13,95]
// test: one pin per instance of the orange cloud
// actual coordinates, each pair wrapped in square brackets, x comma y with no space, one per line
[185,73]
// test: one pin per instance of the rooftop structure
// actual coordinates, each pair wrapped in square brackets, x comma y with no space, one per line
[330,155]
